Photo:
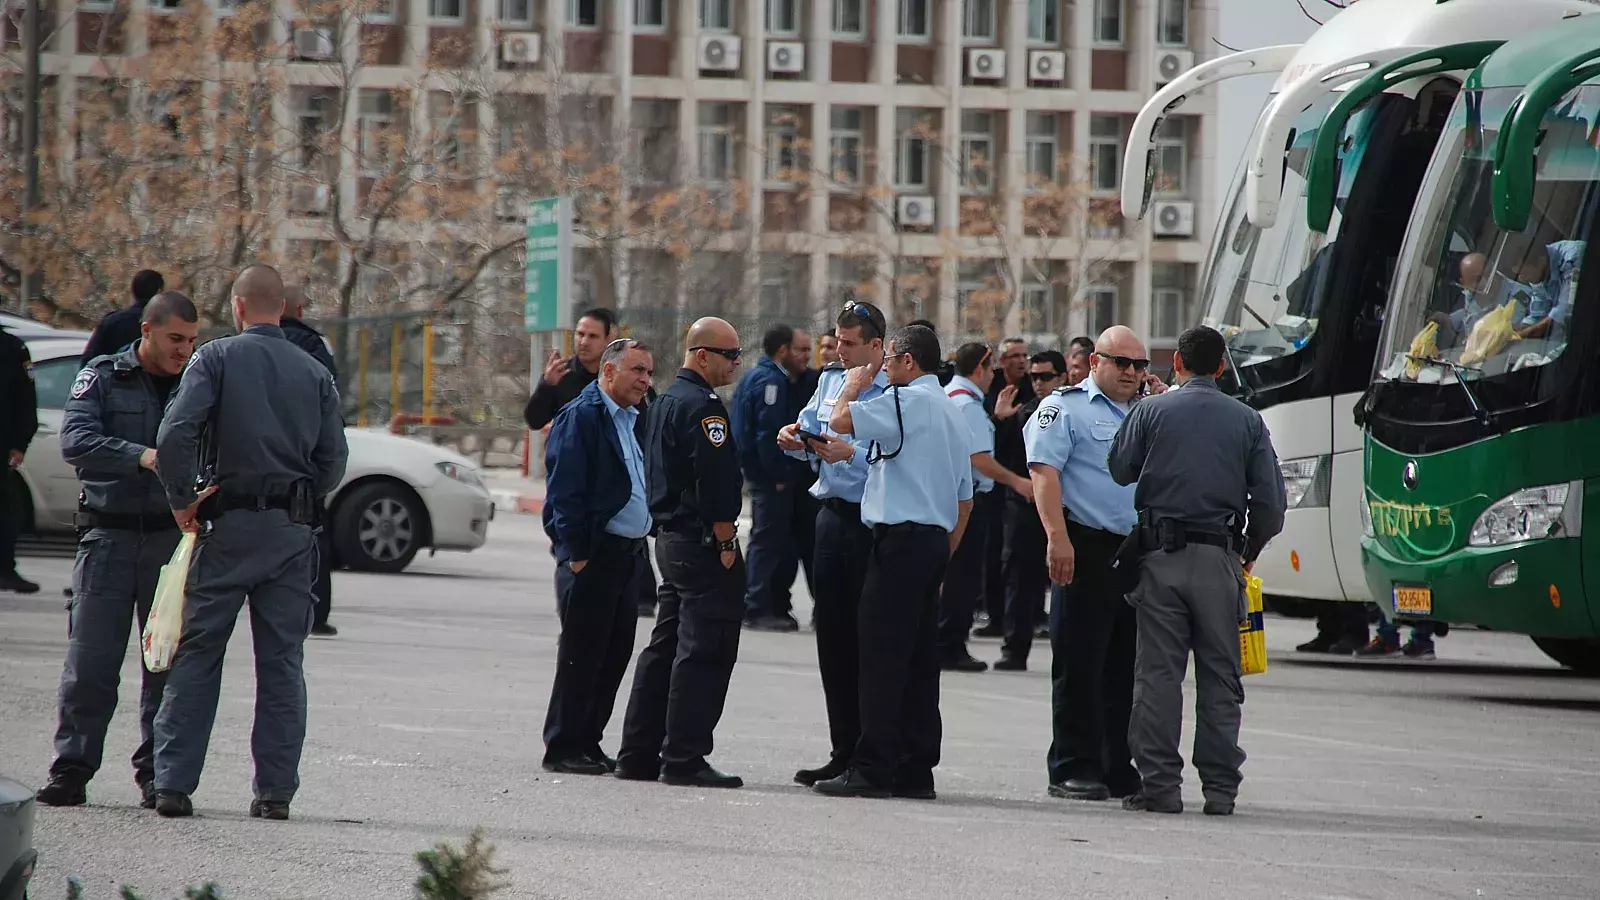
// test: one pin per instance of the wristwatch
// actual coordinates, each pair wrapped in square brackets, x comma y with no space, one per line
[731,545]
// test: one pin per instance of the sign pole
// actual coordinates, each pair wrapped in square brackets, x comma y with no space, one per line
[547,306]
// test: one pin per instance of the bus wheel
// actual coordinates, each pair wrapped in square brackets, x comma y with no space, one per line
[1581,655]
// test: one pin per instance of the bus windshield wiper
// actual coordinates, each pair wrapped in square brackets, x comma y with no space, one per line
[1246,392]
[1478,411]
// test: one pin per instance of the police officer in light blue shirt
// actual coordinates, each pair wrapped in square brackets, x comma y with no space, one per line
[1550,276]
[917,499]
[1086,517]
[842,541]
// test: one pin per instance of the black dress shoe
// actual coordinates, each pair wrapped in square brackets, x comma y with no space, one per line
[62,792]
[1080,789]
[781,624]
[576,765]
[989,631]
[1142,802]
[851,784]
[1009,663]
[269,809]
[627,774]
[600,757]
[324,630]
[1124,783]
[833,769]
[964,663]
[706,778]
[16,584]
[147,795]
[1219,808]
[915,792]
[173,805]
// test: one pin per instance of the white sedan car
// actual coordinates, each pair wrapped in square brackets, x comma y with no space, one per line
[397,497]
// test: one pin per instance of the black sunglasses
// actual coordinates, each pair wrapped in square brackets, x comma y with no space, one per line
[732,354]
[1043,376]
[1139,365]
[866,314]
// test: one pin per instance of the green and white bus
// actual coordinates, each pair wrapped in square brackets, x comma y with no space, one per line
[1482,424]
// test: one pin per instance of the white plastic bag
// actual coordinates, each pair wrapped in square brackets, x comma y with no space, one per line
[165,626]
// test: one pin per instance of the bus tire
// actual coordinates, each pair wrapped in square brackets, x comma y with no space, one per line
[1581,655]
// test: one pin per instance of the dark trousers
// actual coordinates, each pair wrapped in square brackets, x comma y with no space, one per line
[963,581]
[322,588]
[681,679]
[10,518]
[994,573]
[644,584]
[113,585]
[899,658]
[843,548]
[599,611]
[1093,640]
[781,537]
[1027,574]
[1339,619]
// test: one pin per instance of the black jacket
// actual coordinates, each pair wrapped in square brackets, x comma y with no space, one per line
[586,477]
[19,406]
[548,398]
[311,341]
[115,332]
[1009,450]
[111,417]
[691,461]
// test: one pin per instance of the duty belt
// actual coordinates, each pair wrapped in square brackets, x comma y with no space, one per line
[1172,535]
[255,502]
[90,518]
[842,507]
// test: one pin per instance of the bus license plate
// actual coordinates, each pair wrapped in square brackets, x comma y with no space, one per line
[1416,601]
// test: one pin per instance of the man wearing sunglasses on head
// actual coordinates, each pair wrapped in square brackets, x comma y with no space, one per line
[692,468]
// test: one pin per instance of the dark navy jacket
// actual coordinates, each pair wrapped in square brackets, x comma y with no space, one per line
[586,478]
[761,406]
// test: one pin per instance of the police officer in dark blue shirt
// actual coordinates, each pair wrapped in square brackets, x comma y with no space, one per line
[19,420]
[126,534]
[762,406]
[121,327]
[311,341]
[681,679]
[264,458]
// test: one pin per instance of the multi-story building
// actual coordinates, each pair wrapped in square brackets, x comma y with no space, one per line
[958,157]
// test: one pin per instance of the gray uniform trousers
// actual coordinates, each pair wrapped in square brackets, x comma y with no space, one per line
[265,558]
[1190,599]
[113,583]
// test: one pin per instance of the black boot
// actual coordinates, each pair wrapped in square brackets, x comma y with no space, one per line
[62,791]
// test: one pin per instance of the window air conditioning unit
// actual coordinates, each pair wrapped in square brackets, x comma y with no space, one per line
[521,48]
[719,53]
[308,199]
[1047,65]
[510,205]
[786,57]
[1172,63]
[915,209]
[986,64]
[313,43]
[1172,219]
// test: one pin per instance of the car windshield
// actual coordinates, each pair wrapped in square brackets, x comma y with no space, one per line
[1258,289]
[1475,303]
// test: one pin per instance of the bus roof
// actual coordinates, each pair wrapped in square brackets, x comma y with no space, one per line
[1523,58]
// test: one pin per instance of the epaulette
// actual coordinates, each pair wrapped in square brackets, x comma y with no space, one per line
[833,366]
[1068,388]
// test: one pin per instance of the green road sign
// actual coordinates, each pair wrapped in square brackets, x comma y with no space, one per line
[549,275]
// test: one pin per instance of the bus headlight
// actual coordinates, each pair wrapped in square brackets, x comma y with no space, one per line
[1531,514]
[1305,481]
[1366,519]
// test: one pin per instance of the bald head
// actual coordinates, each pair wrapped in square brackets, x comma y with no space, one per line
[1115,379]
[257,297]
[1119,340]
[712,332]
[1472,267]
[711,348]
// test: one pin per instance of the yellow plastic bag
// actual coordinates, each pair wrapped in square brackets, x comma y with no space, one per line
[1426,346]
[1490,335]
[165,625]
[1253,630]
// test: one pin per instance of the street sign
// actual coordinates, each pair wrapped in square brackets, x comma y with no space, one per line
[548,305]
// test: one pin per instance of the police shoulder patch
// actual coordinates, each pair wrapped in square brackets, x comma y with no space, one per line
[770,395]
[716,429]
[1046,415]
[84,381]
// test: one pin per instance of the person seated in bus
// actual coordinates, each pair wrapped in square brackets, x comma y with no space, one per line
[1549,279]
[1474,291]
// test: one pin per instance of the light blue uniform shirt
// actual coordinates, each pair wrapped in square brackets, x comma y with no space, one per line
[634,519]
[978,422]
[925,471]
[1553,296]
[1071,432]
[845,480]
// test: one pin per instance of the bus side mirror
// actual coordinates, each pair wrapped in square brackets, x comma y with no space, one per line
[1360,412]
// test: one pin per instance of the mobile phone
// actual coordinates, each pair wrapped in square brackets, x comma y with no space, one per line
[808,437]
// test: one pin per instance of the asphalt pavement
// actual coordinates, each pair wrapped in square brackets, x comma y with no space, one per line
[1474,776]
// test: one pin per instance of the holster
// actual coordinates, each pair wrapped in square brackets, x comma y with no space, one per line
[302,506]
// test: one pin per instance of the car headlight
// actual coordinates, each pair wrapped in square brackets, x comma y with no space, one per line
[463,474]
[1531,514]
[1366,519]
[1305,481]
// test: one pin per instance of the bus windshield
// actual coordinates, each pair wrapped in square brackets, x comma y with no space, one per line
[1477,304]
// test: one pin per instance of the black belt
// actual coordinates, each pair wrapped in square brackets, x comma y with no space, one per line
[90,518]
[1093,533]
[880,530]
[842,507]
[1172,535]
[253,502]
[626,544]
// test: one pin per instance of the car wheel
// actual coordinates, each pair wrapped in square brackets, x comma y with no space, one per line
[379,528]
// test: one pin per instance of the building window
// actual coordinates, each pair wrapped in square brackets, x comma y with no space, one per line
[715,142]
[377,12]
[1108,22]
[1105,152]
[977,152]
[311,125]
[716,15]
[980,292]
[651,14]
[1172,23]
[653,129]
[1102,304]
[1169,300]
[848,278]
[914,20]
[1046,309]
[517,12]
[785,161]
[1172,155]
[849,19]
[375,132]
[166,5]
[1043,148]
[583,13]
[978,20]
[449,10]
[1044,22]
[913,148]
[846,143]
[783,17]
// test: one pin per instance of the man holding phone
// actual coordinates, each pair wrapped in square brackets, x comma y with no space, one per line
[842,542]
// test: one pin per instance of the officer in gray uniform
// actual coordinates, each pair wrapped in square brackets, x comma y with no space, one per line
[126,534]
[1209,497]
[251,442]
